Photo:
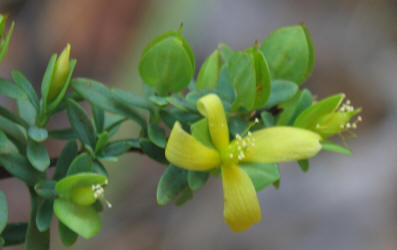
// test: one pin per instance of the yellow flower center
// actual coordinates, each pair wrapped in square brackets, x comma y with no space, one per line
[236,151]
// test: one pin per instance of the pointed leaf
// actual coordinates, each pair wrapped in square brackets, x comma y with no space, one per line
[81,123]
[22,82]
[333,147]
[304,164]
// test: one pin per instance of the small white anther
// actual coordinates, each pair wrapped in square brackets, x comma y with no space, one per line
[256,120]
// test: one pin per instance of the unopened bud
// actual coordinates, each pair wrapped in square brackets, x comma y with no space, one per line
[61,71]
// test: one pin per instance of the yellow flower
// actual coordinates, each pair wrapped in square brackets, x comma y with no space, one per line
[277,144]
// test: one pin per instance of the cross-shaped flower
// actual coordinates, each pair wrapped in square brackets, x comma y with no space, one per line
[276,144]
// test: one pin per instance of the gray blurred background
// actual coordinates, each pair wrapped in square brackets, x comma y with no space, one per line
[342,203]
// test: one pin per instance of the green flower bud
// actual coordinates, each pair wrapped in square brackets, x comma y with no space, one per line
[329,117]
[209,72]
[167,63]
[60,75]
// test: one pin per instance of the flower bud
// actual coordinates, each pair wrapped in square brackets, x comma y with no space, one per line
[329,117]
[167,63]
[61,72]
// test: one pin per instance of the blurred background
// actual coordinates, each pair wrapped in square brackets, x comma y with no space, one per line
[342,203]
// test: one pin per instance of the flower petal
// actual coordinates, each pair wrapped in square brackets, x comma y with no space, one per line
[241,203]
[211,107]
[280,144]
[184,151]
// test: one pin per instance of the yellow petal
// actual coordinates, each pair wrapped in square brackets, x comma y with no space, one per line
[211,107]
[241,203]
[280,144]
[183,150]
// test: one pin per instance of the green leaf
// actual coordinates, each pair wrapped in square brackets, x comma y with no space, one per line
[14,233]
[11,90]
[99,118]
[18,166]
[224,88]
[100,169]
[66,157]
[172,182]
[38,156]
[103,140]
[12,117]
[237,125]
[6,41]
[201,132]
[304,164]
[186,196]
[81,123]
[267,119]
[83,220]
[153,151]
[261,174]
[117,148]
[293,107]
[27,111]
[63,134]
[68,237]
[37,134]
[115,101]
[81,164]
[290,53]
[197,179]
[22,82]
[45,84]
[159,100]
[242,77]
[36,240]
[46,189]
[225,51]
[208,76]
[44,215]
[157,135]
[333,147]
[263,78]
[281,92]
[167,63]
[127,98]
[14,132]
[309,117]
[3,211]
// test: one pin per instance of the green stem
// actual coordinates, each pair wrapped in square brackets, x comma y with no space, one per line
[36,240]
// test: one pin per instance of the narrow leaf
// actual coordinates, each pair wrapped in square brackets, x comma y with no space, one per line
[81,123]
